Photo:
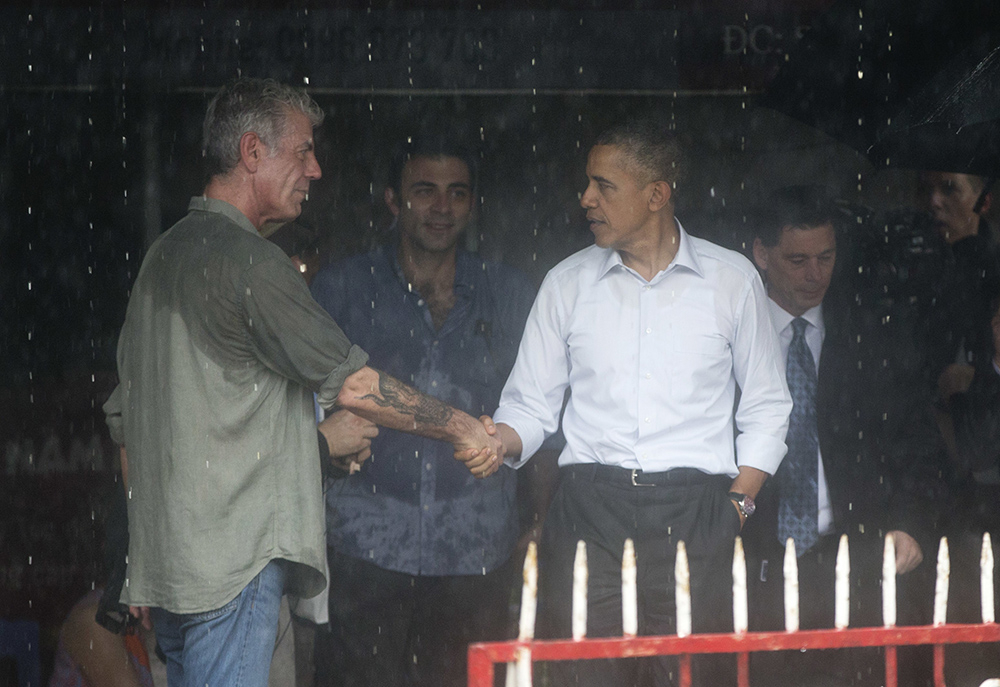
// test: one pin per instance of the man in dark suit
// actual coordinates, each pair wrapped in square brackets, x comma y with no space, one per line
[861,446]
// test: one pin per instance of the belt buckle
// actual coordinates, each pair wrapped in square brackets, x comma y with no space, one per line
[639,484]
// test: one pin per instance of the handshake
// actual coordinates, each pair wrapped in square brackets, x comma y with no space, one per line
[477,443]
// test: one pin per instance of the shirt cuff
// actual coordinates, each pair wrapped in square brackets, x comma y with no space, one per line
[759,451]
[527,427]
[113,416]
[327,394]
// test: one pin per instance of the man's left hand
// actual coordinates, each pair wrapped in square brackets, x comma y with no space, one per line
[349,438]
[908,553]
[743,518]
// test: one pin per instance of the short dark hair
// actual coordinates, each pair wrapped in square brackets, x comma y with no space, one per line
[258,105]
[801,207]
[650,144]
[431,143]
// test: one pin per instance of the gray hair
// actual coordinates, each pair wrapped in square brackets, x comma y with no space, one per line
[650,146]
[258,105]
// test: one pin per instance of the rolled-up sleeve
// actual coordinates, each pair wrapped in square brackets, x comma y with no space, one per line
[294,336]
[533,396]
[113,416]
[765,404]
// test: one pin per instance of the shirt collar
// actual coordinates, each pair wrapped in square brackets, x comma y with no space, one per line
[782,318]
[206,204]
[465,265]
[686,257]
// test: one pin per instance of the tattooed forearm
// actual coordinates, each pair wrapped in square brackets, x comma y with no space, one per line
[407,401]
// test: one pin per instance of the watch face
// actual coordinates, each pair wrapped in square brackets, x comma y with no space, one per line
[746,504]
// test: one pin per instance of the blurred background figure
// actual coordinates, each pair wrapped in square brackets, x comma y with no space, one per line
[969,416]
[100,644]
[90,655]
[960,314]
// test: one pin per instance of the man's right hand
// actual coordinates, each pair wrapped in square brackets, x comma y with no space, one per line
[349,437]
[481,452]
[955,379]
[141,613]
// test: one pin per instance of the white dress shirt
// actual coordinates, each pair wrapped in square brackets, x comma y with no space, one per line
[815,333]
[652,366]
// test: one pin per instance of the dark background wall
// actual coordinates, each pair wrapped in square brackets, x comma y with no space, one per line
[100,112]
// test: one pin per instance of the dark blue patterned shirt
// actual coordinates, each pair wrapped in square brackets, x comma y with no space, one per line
[413,508]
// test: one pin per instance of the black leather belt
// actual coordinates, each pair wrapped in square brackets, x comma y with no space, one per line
[627,477]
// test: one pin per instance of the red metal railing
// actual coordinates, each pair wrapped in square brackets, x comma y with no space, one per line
[484,656]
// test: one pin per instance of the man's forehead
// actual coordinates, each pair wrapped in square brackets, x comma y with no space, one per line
[298,127]
[421,168]
[616,164]
[796,236]
[947,179]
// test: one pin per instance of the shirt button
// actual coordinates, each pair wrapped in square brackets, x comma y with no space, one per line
[649,376]
[434,384]
[420,301]
[646,420]
[435,342]
[649,330]
[426,507]
[646,288]
[428,466]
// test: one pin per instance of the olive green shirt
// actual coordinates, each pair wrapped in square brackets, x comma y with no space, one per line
[221,351]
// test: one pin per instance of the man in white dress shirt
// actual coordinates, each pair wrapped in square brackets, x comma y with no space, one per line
[652,330]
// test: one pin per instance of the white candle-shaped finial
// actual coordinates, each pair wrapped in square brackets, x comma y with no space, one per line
[682,598]
[529,605]
[889,582]
[739,587]
[630,612]
[842,610]
[529,594]
[941,586]
[580,576]
[986,579]
[791,570]
[511,680]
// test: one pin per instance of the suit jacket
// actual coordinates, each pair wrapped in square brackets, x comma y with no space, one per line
[881,449]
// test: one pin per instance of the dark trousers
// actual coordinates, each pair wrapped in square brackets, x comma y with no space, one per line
[599,505]
[390,629]
[817,577]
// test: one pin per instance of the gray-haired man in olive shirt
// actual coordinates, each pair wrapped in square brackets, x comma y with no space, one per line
[219,357]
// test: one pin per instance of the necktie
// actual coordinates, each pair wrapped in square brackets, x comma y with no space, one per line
[797,475]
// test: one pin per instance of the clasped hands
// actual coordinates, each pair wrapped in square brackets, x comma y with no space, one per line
[349,438]
[481,449]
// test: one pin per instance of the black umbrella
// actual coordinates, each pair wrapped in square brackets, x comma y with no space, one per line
[953,123]
[863,61]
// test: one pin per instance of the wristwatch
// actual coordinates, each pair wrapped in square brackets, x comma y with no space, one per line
[745,503]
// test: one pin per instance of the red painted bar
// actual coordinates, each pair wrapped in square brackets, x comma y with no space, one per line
[480,666]
[939,665]
[684,670]
[891,667]
[618,647]
[743,669]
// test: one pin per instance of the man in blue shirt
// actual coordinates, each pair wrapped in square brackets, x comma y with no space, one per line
[417,548]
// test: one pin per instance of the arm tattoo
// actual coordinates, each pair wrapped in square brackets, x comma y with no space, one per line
[405,400]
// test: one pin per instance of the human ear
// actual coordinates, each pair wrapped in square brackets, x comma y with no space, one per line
[391,201]
[251,150]
[760,254]
[660,193]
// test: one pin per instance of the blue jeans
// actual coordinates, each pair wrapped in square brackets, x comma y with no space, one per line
[229,646]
